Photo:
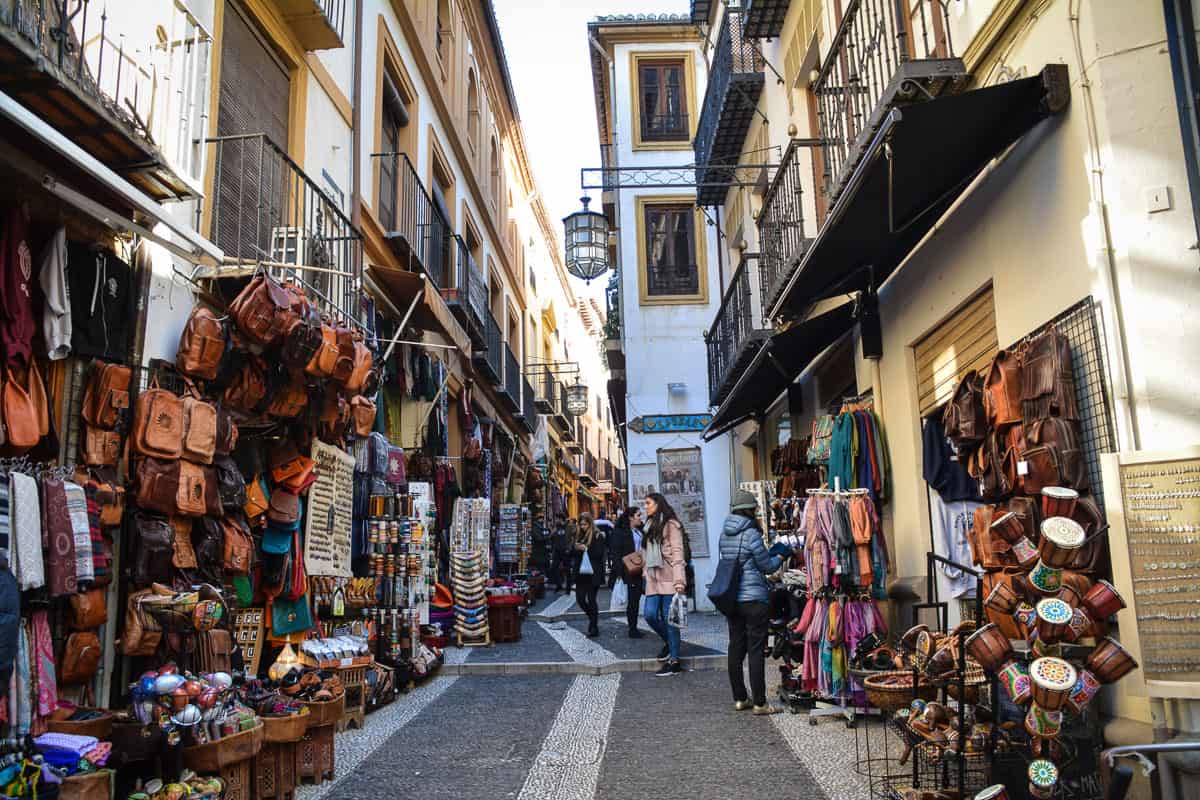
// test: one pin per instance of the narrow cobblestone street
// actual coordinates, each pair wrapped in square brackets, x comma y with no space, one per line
[558,715]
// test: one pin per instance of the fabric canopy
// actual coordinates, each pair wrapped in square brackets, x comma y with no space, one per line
[778,362]
[920,161]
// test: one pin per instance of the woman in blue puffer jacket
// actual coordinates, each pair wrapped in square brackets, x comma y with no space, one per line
[742,540]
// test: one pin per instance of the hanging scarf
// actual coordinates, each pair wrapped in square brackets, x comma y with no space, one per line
[653,553]
[27,531]
[813,637]
[85,568]
[43,663]
[845,566]
[21,694]
[60,539]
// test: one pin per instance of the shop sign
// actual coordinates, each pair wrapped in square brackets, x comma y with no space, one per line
[643,479]
[681,482]
[670,423]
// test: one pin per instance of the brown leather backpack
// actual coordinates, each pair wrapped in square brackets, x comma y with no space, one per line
[964,419]
[1002,390]
[362,367]
[191,499]
[25,411]
[157,485]
[80,658]
[291,399]
[363,412]
[106,395]
[335,416]
[239,547]
[263,310]
[201,345]
[199,429]
[343,367]
[993,466]
[158,424]
[302,340]
[1047,380]
[1054,455]
[142,633]
[89,610]
[323,361]
[249,386]
[227,432]
[101,448]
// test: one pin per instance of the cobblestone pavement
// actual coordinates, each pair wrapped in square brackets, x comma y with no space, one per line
[589,737]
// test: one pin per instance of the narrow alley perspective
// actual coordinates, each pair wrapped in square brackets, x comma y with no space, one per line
[599,399]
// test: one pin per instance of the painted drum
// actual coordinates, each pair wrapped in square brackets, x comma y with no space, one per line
[1014,677]
[1109,661]
[1053,618]
[1085,689]
[990,647]
[994,792]
[1043,778]
[1025,553]
[1079,626]
[1003,599]
[1103,600]
[1061,540]
[1009,527]
[1045,579]
[1058,501]
[1042,723]
[1053,679]
[1025,615]
[909,640]
[924,649]
[1041,649]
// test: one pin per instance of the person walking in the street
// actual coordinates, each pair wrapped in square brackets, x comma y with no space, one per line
[589,572]
[742,541]
[564,554]
[662,544]
[626,539]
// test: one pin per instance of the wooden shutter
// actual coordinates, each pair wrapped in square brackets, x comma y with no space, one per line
[965,341]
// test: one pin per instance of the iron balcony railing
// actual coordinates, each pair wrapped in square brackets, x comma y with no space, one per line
[268,212]
[317,24]
[153,89]
[528,409]
[467,296]
[738,329]
[781,237]
[419,230]
[735,83]
[565,420]
[884,52]
[512,379]
[546,394]
[491,358]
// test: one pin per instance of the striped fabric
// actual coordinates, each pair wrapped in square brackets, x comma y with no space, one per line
[5,521]
[77,508]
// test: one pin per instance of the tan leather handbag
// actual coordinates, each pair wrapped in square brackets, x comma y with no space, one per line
[89,610]
[363,412]
[80,658]
[263,310]
[322,363]
[101,448]
[106,395]
[201,345]
[362,367]
[199,428]
[191,498]
[158,424]
[22,419]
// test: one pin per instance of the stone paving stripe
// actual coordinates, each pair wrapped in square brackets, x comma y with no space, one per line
[478,741]
[704,663]
[352,748]
[535,644]
[614,637]
[561,605]
[569,763]
[578,646]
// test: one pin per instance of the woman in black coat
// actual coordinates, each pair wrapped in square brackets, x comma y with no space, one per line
[590,540]
[627,537]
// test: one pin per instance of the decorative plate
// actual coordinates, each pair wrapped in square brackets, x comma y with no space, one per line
[1042,773]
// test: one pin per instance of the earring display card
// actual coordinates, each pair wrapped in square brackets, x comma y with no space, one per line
[328,522]
[248,635]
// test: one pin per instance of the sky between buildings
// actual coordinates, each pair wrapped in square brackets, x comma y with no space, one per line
[549,59]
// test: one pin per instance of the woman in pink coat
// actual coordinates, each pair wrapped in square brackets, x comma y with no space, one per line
[662,546]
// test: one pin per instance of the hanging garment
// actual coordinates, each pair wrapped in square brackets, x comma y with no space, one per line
[59,534]
[102,303]
[56,311]
[940,468]
[42,663]
[81,529]
[10,625]
[952,523]
[27,560]
[16,287]
[21,702]
[5,524]
[845,567]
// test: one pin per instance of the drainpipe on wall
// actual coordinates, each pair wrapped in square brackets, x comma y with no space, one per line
[356,121]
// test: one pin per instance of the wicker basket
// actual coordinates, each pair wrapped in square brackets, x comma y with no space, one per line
[284,730]
[100,727]
[92,786]
[325,713]
[893,690]
[215,756]
[973,678]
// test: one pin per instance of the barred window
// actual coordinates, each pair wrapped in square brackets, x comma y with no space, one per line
[671,267]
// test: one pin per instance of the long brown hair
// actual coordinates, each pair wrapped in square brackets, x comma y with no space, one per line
[587,530]
[657,524]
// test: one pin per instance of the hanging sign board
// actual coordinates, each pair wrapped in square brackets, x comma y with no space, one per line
[329,515]
[670,423]
[681,481]
[643,479]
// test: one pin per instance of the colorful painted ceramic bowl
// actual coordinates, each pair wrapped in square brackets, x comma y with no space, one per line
[1053,618]
[1085,688]
[1053,679]
[1058,501]
[1109,661]
[1014,677]
[1061,539]
[1103,600]
[990,647]
[1044,579]
[1042,723]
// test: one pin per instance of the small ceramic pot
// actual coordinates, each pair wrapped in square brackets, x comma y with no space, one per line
[990,647]
[1061,539]
[1058,501]
[1025,553]
[1043,779]
[1103,600]
[1079,626]
[1009,527]
[1014,677]
[1109,661]
[1085,688]
[1045,580]
[1053,618]
[1042,723]
[1053,679]
[1002,599]
[995,792]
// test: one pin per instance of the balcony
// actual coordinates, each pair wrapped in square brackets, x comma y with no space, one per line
[614,352]
[545,400]
[510,392]
[781,227]
[489,359]
[587,469]
[528,415]
[735,83]
[884,55]
[418,232]
[700,11]
[318,24]
[467,297]
[267,213]
[562,420]
[140,108]
[738,330]
[765,18]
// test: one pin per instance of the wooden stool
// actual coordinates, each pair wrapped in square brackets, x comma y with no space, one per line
[504,623]
[238,783]
[275,771]
[354,679]
[314,755]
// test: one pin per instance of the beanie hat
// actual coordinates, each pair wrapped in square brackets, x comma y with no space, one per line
[743,501]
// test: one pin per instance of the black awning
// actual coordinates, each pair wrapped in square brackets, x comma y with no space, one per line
[778,362]
[921,160]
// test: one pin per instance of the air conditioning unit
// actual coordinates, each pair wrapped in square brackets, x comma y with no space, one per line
[303,248]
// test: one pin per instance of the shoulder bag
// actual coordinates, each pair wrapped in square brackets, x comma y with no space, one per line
[726,580]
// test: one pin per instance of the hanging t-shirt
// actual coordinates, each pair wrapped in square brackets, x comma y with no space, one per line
[102,303]
[56,315]
[939,467]
[16,287]
[951,531]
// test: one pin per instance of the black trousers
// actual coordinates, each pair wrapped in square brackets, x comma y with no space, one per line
[635,600]
[748,636]
[586,589]
[560,569]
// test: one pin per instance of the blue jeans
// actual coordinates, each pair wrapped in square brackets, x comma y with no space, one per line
[657,606]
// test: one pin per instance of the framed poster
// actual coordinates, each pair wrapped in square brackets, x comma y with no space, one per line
[643,479]
[329,513]
[681,481]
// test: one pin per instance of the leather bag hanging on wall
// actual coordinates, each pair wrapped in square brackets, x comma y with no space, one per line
[142,633]
[21,416]
[325,358]
[290,399]
[248,387]
[227,432]
[157,485]
[302,340]
[106,395]
[239,546]
[201,344]
[362,366]
[101,448]
[363,412]
[89,610]
[343,367]
[154,550]
[158,424]
[191,499]
[1047,379]
[80,658]
[263,310]
[199,428]
[965,421]
[1002,389]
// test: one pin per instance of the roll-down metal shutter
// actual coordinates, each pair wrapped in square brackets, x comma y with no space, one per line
[965,341]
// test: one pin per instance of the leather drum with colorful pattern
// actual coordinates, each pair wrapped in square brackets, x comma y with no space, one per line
[1061,539]
[1043,778]
[989,646]
[1014,677]
[1042,723]
[1045,579]
[1085,688]
[1053,619]
[1053,679]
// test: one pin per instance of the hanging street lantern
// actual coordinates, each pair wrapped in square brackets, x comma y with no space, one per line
[577,399]
[586,243]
